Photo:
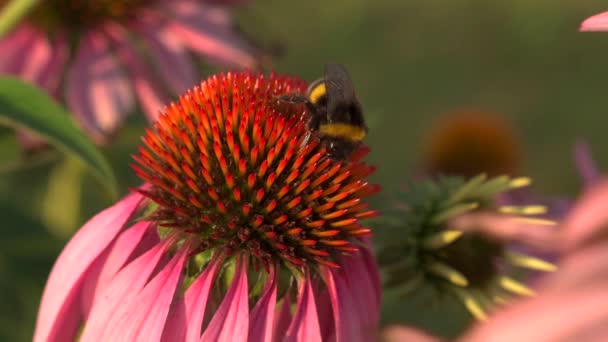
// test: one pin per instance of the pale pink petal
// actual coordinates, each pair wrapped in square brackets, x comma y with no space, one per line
[128,282]
[199,26]
[142,317]
[508,229]
[588,218]
[97,89]
[15,47]
[59,312]
[585,164]
[550,317]
[39,54]
[347,322]
[170,57]
[577,269]
[141,235]
[305,323]
[262,315]
[231,320]
[186,320]
[396,333]
[359,279]
[598,22]
[283,319]
[149,91]
[50,78]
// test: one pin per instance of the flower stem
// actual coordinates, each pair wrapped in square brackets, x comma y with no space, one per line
[13,12]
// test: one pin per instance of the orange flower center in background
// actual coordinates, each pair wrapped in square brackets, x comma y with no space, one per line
[469,143]
[230,166]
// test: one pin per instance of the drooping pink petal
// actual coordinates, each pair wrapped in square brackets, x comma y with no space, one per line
[348,325]
[50,77]
[142,317]
[169,55]
[305,323]
[58,315]
[149,91]
[283,319]
[262,315]
[97,89]
[14,48]
[39,55]
[585,164]
[509,229]
[128,282]
[598,22]
[186,320]
[199,27]
[588,218]
[116,256]
[231,320]
[360,280]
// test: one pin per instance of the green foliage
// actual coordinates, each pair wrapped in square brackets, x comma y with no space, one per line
[25,106]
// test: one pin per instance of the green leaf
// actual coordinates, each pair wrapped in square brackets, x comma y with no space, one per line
[26,106]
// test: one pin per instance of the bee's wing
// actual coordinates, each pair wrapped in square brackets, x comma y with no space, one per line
[342,102]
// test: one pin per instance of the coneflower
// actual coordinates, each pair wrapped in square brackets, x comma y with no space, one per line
[244,231]
[101,57]
[451,236]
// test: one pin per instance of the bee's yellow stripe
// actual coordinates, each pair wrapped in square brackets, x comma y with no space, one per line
[344,131]
[317,92]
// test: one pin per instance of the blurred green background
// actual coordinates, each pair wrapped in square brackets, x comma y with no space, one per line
[411,61]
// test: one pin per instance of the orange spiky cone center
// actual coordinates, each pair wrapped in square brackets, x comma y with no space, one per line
[229,165]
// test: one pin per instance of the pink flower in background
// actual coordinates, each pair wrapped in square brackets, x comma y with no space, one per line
[598,22]
[252,233]
[101,57]
[572,303]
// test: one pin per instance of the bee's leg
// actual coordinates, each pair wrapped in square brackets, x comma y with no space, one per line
[293,98]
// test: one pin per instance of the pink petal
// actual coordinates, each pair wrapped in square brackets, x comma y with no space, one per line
[186,321]
[39,54]
[360,280]
[588,217]
[231,320]
[149,91]
[97,89]
[128,282]
[573,316]
[585,164]
[346,313]
[50,78]
[143,316]
[58,316]
[140,236]
[15,48]
[204,29]
[397,333]
[508,229]
[262,316]
[305,324]
[598,22]
[283,319]
[172,60]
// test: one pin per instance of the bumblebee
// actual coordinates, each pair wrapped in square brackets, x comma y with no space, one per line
[336,114]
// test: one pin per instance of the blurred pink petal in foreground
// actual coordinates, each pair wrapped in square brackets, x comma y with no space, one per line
[266,247]
[598,22]
[123,52]
[572,303]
